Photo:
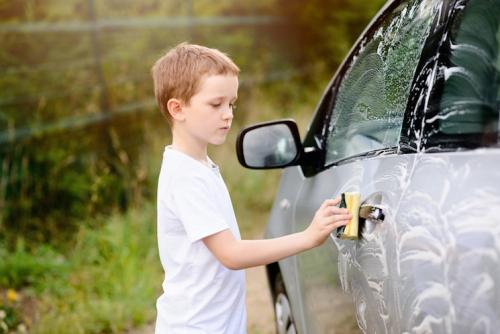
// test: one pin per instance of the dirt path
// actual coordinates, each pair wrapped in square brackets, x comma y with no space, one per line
[259,305]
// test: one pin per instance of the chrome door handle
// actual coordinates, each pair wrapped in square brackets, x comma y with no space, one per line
[372,213]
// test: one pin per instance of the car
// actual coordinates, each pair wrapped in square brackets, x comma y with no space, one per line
[410,121]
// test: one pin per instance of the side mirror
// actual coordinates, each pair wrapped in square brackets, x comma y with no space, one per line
[267,145]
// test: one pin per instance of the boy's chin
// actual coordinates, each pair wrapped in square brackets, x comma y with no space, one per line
[218,142]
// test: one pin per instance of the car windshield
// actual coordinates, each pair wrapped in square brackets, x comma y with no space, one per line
[466,107]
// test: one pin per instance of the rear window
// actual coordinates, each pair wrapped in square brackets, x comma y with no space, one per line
[465,109]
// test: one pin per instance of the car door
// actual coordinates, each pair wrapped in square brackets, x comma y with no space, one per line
[448,232]
[359,134]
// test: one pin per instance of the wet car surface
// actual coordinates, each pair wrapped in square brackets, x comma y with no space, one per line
[410,120]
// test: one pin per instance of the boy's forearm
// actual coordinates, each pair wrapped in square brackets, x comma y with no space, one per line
[240,254]
[251,253]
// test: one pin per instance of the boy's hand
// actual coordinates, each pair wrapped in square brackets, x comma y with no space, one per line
[326,219]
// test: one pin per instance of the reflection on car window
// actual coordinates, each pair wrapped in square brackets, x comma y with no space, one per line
[368,111]
[470,100]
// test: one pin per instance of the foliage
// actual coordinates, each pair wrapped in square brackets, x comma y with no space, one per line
[21,268]
[321,31]
[107,282]
[10,313]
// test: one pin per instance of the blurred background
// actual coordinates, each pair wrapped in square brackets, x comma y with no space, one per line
[81,140]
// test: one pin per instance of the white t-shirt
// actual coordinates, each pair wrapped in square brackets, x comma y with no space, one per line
[200,294]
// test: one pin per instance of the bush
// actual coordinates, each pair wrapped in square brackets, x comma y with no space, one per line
[21,268]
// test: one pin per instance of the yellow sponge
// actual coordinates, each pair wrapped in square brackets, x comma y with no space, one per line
[352,200]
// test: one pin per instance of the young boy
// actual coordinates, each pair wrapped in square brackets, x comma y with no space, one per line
[199,241]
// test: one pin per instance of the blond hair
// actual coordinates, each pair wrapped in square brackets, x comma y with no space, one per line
[178,73]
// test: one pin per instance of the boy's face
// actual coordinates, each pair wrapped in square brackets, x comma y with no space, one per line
[209,114]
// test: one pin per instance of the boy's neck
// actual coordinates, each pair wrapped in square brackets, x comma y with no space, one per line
[190,147]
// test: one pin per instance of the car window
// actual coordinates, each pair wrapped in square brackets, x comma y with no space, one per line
[465,110]
[368,110]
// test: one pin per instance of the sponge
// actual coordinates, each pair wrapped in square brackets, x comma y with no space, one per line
[351,201]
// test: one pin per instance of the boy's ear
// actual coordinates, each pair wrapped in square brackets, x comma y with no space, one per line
[174,107]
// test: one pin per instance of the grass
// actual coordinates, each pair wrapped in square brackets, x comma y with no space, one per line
[114,281]
[108,283]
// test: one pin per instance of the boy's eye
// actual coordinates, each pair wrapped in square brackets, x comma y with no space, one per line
[217,105]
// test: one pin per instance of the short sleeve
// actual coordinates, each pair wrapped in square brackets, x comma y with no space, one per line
[196,208]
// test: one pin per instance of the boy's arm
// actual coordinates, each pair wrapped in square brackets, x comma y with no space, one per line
[240,254]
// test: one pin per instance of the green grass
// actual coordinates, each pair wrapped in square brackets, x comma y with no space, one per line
[21,268]
[115,278]
[108,283]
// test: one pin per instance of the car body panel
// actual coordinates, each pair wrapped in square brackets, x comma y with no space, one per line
[433,264]
[411,273]
[379,181]
[281,218]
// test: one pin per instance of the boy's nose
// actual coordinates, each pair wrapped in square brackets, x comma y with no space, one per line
[228,114]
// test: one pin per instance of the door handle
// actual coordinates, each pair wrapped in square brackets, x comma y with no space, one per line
[371,212]
[365,212]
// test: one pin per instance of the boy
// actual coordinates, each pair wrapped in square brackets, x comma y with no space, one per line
[199,241]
